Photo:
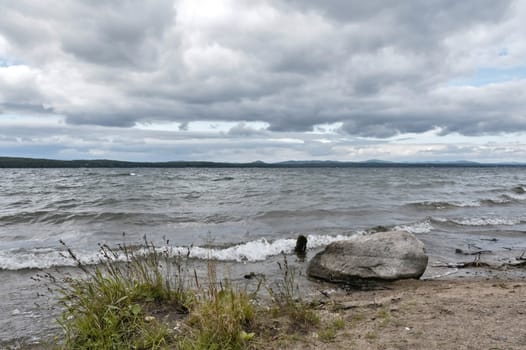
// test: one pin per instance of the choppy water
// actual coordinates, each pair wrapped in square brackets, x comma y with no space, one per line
[243,214]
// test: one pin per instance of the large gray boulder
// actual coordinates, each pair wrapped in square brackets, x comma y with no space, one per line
[387,256]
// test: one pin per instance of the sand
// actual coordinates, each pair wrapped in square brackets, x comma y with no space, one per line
[460,313]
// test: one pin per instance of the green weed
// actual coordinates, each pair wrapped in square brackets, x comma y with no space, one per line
[108,307]
[287,299]
[221,318]
[140,298]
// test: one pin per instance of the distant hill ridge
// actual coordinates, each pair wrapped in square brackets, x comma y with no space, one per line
[13,162]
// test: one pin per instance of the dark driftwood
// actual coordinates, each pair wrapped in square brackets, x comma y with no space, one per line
[301,245]
[519,262]
[478,252]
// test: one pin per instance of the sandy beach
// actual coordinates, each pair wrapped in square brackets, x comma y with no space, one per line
[461,313]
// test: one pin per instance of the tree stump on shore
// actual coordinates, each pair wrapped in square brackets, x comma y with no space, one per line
[301,246]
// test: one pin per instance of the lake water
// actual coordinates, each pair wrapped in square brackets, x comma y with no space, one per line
[246,216]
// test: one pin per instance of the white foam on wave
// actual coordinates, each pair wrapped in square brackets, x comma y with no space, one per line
[440,205]
[466,204]
[416,227]
[500,200]
[480,221]
[260,249]
[516,196]
[257,250]
[39,258]
[486,221]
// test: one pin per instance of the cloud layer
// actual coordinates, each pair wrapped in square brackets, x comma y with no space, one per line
[270,70]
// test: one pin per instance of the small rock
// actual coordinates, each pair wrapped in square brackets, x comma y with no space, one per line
[250,275]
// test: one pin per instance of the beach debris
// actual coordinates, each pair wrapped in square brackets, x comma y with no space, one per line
[460,251]
[375,303]
[383,256]
[441,275]
[514,263]
[461,265]
[521,263]
[250,275]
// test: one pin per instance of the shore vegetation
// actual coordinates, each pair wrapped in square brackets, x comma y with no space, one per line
[142,297]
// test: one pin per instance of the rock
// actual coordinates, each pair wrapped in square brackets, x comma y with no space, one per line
[250,275]
[386,256]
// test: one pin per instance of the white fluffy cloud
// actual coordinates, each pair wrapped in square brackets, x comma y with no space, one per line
[268,71]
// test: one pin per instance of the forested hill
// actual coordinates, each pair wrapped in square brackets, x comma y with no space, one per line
[9,162]
[12,162]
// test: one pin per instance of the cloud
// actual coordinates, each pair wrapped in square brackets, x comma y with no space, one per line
[377,68]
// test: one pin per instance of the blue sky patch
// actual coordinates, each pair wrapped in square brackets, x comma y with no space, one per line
[485,76]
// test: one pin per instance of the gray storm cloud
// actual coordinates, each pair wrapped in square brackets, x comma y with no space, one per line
[378,67]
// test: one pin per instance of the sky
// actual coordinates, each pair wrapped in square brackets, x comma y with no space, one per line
[269,80]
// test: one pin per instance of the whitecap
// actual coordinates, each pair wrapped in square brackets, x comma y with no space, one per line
[257,250]
[478,221]
[416,227]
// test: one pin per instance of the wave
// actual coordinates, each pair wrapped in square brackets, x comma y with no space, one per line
[68,187]
[479,221]
[440,205]
[279,214]
[496,201]
[55,217]
[226,178]
[123,174]
[508,195]
[423,226]
[19,203]
[519,189]
[514,197]
[503,199]
[252,251]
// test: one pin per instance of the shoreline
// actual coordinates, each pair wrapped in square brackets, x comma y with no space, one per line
[441,274]
[476,307]
[458,313]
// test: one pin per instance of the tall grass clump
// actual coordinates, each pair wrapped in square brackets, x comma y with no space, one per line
[140,298]
[108,307]
[223,317]
[287,300]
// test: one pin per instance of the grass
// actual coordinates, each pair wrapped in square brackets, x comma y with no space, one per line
[328,334]
[142,298]
[384,316]
[287,300]
[371,335]
[221,318]
[108,307]
[224,320]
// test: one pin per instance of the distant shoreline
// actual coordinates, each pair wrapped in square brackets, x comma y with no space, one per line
[13,162]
